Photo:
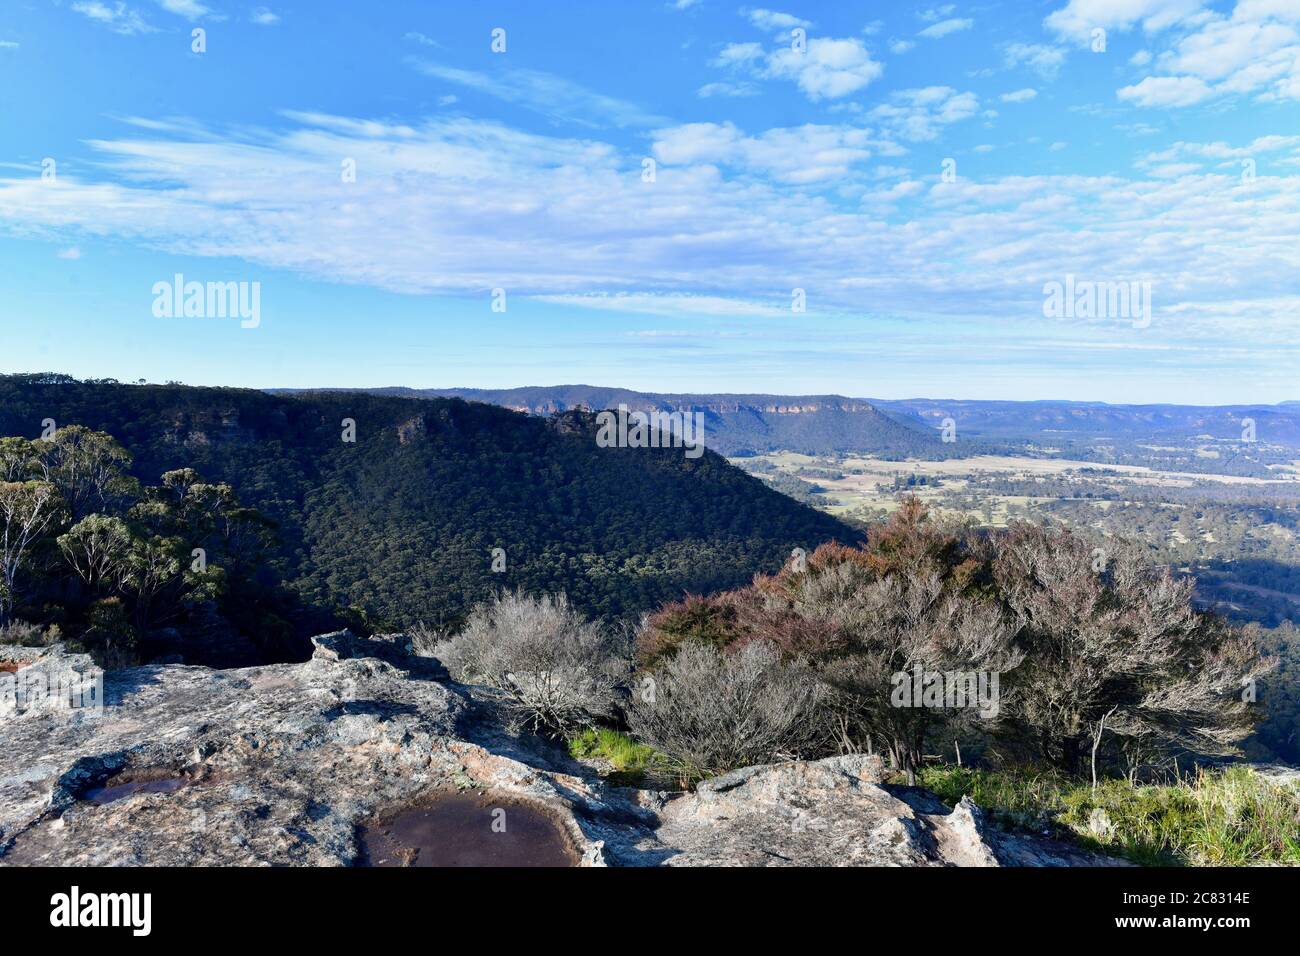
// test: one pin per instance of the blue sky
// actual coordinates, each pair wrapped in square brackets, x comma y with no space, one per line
[922,172]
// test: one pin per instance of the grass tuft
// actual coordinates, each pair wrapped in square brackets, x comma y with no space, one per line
[629,761]
[1231,817]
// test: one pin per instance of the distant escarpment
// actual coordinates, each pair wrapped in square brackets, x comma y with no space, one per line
[734,424]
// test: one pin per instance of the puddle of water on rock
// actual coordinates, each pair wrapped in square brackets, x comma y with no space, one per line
[129,783]
[457,830]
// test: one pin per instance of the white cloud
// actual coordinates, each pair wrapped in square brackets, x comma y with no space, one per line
[8,44]
[1042,59]
[900,47]
[1255,51]
[887,197]
[802,154]
[936,13]
[1078,18]
[917,115]
[945,27]
[773,21]
[1019,96]
[1175,170]
[119,17]
[828,69]
[825,68]
[739,54]
[189,9]
[72,252]
[1166,91]
[265,17]
[1219,153]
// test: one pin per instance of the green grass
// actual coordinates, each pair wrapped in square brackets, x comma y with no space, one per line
[1232,817]
[629,760]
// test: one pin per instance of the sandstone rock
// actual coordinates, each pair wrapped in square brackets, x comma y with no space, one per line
[1100,826]
[282,764]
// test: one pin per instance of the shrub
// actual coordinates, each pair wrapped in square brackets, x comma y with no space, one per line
[109,637]
[694,619]
[1116,653]
[425,638]
[25,634]
[557,670]
[710,712]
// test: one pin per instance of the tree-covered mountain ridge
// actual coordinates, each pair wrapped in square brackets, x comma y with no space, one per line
[400,509]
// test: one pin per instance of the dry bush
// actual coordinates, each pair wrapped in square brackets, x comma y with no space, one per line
[710,711]
[1117,655]
[558,671]
[425,638]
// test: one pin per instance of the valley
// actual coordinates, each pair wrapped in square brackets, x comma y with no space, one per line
[1239,534]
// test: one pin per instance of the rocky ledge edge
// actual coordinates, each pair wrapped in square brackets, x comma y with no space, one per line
[282,764]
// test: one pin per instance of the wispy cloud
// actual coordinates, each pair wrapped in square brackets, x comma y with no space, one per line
[1078,18]
[1044,59]
[727,89]
[545,93]
[189,9]
[945,27]
[918,114]
[1019,96]
[772,20]
[674,305]
[804,154]
[118,17]
[458,206]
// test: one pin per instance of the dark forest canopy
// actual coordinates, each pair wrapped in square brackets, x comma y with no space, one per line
[400,525]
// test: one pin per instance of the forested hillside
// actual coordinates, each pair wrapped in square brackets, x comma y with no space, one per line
[400,524]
